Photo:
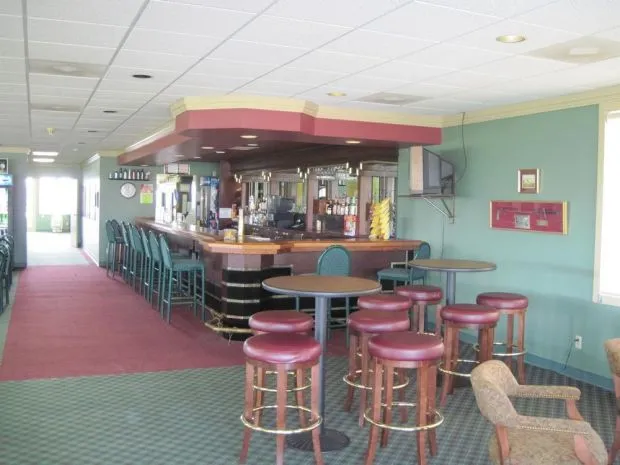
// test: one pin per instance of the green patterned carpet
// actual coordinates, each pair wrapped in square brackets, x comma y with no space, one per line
[191,417]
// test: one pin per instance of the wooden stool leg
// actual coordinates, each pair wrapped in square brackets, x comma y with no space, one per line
[413,312]
[421,316]
[373,436]
[281,396]
[438,319]
[299,395]
[483,344]
[389,398]
[248,411]
[432,405]
[353,345]
[363,342]
[260,381]
[402,374]
[314,406]
[456,352]
[447,364]
[521,346]
[510,322]
[422,402]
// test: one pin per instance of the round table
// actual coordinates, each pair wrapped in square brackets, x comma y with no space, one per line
[451,267]
[322,288]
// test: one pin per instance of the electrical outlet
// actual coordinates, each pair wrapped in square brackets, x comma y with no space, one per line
[578,342]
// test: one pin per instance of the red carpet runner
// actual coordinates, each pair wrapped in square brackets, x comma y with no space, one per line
[73,321]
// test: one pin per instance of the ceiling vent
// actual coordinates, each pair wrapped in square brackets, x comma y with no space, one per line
[66,68]
[580,51]
[389,98]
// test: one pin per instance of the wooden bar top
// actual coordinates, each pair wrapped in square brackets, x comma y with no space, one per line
[260,246]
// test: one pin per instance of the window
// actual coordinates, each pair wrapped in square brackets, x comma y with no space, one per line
[607,266]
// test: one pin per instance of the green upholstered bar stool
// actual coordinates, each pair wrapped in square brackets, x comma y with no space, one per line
[175,267]
[113,246]
[126,265]
[138,263]
[406,275]
[147,278]
[156,268]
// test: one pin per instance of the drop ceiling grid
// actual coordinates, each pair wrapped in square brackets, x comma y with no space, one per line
[443,50]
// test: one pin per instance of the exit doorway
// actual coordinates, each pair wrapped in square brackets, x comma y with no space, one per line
[51,221]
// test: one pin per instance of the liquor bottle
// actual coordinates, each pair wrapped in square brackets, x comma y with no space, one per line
[148,175]
[110,175]
[329,210]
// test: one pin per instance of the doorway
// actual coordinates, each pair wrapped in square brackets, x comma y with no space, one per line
[51,221]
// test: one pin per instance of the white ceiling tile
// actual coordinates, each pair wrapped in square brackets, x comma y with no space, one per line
[121,73]
[427,90]
[406,71]
[16,89]
[263,86]
[430,22]
[373,106]
[449,104]
[147,40]
[11,48]
[468,79]
[453,56]
[191,19]
[192,91]
[250,6]
[419,109]
[92,111]
[377,44]
[303,76]
[69,32]
[102,124]
[337,62]
[72,53]
[367,83]
[114,12]
[153,61]
[537,37]
[237,50]
[11,78]
[11,7]
[593,76]
[480,95]
[12,27]
[217,82]
[60,91]
[71,82]
[351,13]
[320,94]
[502,8]
[218,67]
[520,67]
[579,16]
[289,32]
[13,98]
[131,86]
[611,34]
[58,100]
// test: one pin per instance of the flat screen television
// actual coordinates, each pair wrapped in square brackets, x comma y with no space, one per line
[6,180]
[430,174]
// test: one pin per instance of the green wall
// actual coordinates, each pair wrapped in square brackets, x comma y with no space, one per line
[554,271]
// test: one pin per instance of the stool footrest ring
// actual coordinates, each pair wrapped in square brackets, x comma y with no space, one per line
[458,373]
[503,354]
[352,381]
[437,419]
[314,424]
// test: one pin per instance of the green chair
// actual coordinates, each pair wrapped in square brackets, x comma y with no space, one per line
[407,275]
[112,249]
[126,265]
[147,278]
[174,268]
[138,263]
[156,268]
[336,261]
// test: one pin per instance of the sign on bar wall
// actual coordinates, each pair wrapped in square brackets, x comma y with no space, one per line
[549,217]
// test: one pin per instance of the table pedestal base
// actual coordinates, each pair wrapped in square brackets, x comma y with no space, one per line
[331,440]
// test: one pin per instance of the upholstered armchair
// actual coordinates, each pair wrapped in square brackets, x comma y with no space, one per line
[612,348]
[526,440]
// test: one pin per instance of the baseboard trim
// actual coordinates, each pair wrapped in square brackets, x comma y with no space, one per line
[95,261]
[569,371]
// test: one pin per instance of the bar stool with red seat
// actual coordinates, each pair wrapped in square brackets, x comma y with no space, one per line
[281,321]
[364,324]
[384,302]
[281,352]
[455,317]
[421,296]
[511,305]
[397,351]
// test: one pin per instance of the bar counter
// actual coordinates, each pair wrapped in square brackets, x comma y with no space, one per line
[235,270]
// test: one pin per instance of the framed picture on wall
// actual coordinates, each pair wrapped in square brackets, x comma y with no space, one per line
[528,181]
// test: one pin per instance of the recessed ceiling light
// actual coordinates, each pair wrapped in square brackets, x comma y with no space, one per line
[206,147]
[178,156]
[249,136]
[110,111]
[337,94]
[510,39]
[196,157]
[43,160]
[65,68]
[144,165]
[92,130]
[81,143]
[352,142]
[220,151]
[142,76]
[42,153]
[252,145]
[75,150]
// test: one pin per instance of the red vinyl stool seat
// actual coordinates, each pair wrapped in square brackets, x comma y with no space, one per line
[384,302]
[511,305]
[363,324]
[281,321]
[460,316]
[421,296]
[281,353]
[401,351]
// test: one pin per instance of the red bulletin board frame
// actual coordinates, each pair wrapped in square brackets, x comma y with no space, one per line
[516,215]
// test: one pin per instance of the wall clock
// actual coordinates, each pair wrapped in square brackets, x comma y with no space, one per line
[128,190]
